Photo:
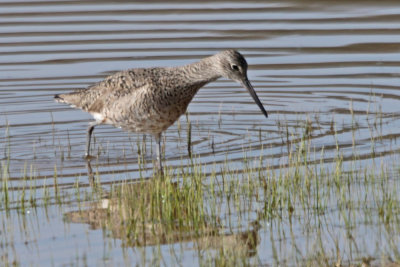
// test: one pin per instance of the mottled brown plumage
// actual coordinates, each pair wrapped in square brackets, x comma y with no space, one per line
[149,100]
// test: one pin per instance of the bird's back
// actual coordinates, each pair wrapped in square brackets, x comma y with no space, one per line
[111,88]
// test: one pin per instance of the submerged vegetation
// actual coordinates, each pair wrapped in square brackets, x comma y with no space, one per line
[317,206]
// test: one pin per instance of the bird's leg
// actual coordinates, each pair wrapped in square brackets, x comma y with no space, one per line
[89,137]
[159,164]
[90,173]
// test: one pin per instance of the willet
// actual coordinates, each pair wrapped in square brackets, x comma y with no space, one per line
[149,100]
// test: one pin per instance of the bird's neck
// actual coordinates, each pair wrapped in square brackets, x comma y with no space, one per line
[201,72]
[189,79]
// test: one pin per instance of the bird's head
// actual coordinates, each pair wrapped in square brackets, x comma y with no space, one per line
[232,65]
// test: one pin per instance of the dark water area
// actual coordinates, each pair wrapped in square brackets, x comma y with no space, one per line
[334,66]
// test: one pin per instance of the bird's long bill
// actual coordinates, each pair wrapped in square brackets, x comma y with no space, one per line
[246,83]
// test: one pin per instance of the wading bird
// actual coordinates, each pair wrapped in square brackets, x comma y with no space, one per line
[149,100]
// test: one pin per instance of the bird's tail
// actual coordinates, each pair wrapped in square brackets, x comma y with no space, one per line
[74,99]
[59,98]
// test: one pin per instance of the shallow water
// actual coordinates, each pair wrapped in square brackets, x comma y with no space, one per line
[321,63]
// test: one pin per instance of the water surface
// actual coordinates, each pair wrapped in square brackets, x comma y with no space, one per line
[327,64]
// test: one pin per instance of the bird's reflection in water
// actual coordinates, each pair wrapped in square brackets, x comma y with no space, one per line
[130,212]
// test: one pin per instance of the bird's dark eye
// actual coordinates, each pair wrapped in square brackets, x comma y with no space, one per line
[235,67]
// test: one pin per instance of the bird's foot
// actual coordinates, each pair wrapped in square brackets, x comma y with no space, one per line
[89,157]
